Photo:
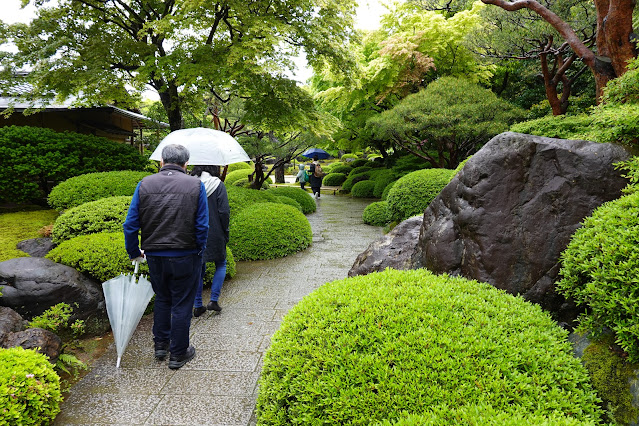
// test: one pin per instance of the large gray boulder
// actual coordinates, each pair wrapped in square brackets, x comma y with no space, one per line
[10,322]
[42,341]
[36,247]
[510,212]
[31,285]
[394,250]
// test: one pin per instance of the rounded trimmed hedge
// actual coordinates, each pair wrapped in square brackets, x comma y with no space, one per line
[94,186]
[376,214]
[240,198]
[382,179]
[358,170]
[244,183]
[236,175]
[298,194]
[269,231]
[352,180]
[291,202]
[387,190]
[599,271]
[413,193]
[334,179]
[239,166]
[103,215]
[363,189]
[341,168]
[376,347]
[349,157]
[102,256]
[359,162]
[29,388]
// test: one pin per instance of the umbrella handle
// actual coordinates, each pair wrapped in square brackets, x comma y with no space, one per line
[137,266]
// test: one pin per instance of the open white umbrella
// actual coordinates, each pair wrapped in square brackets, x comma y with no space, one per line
[126,300]
[206,146]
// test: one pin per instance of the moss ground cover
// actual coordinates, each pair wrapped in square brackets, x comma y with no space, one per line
[18,226]
[376,347]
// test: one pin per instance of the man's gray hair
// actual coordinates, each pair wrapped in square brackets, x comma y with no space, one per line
[175,154]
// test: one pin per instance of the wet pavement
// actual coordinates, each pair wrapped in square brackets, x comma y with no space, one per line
[219,386]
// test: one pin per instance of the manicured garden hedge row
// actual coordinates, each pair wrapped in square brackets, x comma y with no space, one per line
[377,347]
[334,179]
[33,157]
[302,197]
[412,193]
[240,198]
[376,214]
[104,215]
[93,186]
[341,168]
[291,202]
[240,166]
[363,189]
[268,231]
[236,175]
[29,388]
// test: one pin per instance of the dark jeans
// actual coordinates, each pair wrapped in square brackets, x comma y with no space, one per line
[174,281]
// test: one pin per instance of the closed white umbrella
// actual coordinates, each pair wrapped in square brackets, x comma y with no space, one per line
[206,147]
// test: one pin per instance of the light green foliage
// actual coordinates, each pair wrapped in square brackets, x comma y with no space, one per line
[349,157]
[352,180]
[561,127]
[444,123]
[376,214]
[244,183]
[408,163]
[240,198]
[363,189]
[104,215]
[341,168]
[387,190]
[93,186]
[269,231]
[382,180]
[236,175]
[291,202]
[29,388]
[359,169]
[56,319]
[302,197]
[19,226]
[33,157]
[413,193]
[379,346]
[358,162]
[334,179]
[600,271]
[631,170]
[240,166]
[624,89]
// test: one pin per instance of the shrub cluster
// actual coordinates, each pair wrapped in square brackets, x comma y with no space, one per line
[358,170]
[359,162]
[34,157]
[240,166]
[363,189]
[240,198]
[387,190]
[268,231]
[334,179]
[299,195]
[349,157]
[376,214]
[102,256]
[373,348]
[29,388]
[352,180]
[104,215]
[413,193]
[341,168]
[93,186]
[600,269]
[291,202]
[236,175]
[382,179]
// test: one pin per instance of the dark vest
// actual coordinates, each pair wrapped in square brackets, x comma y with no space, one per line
[168,205]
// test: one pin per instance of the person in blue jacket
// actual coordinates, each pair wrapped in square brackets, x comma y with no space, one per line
[170,211]
[219,216]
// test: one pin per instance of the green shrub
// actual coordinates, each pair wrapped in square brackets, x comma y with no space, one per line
[599,271]
[358,170]
[341,168]
[623,89]
[561,126]
[29,388]
[56,319]
[363,189]
[349,157]
[93,186]
[413,193]
[376,214]
[387,190]
[379,346]
[382,179]
[268,231]
[36,158]
[359,162]
[240,166]
[104,215]
[334,179]
[102,256]
[409,163]
[231,267]
[244,183]
[352,180]
[240,198]
[299,195]
[236,175]
[291,202]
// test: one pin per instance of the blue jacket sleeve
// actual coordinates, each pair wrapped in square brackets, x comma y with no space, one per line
[202,220]
[132,227]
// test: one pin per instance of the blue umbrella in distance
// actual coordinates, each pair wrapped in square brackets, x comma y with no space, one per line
[311,152]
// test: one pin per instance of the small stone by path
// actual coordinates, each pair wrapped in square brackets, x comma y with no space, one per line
[219,387]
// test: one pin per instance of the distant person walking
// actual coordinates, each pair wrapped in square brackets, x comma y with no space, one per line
[170,210]
[218,236]
[316,176]
[302,176]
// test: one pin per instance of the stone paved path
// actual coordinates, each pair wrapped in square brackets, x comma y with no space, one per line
[219,387]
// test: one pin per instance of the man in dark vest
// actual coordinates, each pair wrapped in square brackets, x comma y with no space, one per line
[171,211]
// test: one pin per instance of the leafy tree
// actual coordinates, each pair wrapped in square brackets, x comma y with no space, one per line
[446,122]
[110,50]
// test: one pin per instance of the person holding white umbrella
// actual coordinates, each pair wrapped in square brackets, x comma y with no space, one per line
[170,211]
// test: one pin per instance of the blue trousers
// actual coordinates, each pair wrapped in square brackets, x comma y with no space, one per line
[216,283]
[174,281]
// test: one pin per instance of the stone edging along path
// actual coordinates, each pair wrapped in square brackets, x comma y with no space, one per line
[219,387]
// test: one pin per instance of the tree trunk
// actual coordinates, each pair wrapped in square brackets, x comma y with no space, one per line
[279,173]
[171,103]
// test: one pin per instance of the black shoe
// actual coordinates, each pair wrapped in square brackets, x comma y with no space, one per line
[161,350]
[213,306]
[197,312]
[176,362]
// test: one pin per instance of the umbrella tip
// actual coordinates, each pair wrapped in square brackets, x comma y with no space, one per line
[117,365]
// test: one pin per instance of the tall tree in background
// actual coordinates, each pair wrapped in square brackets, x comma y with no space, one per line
[614,36]
[111,50]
